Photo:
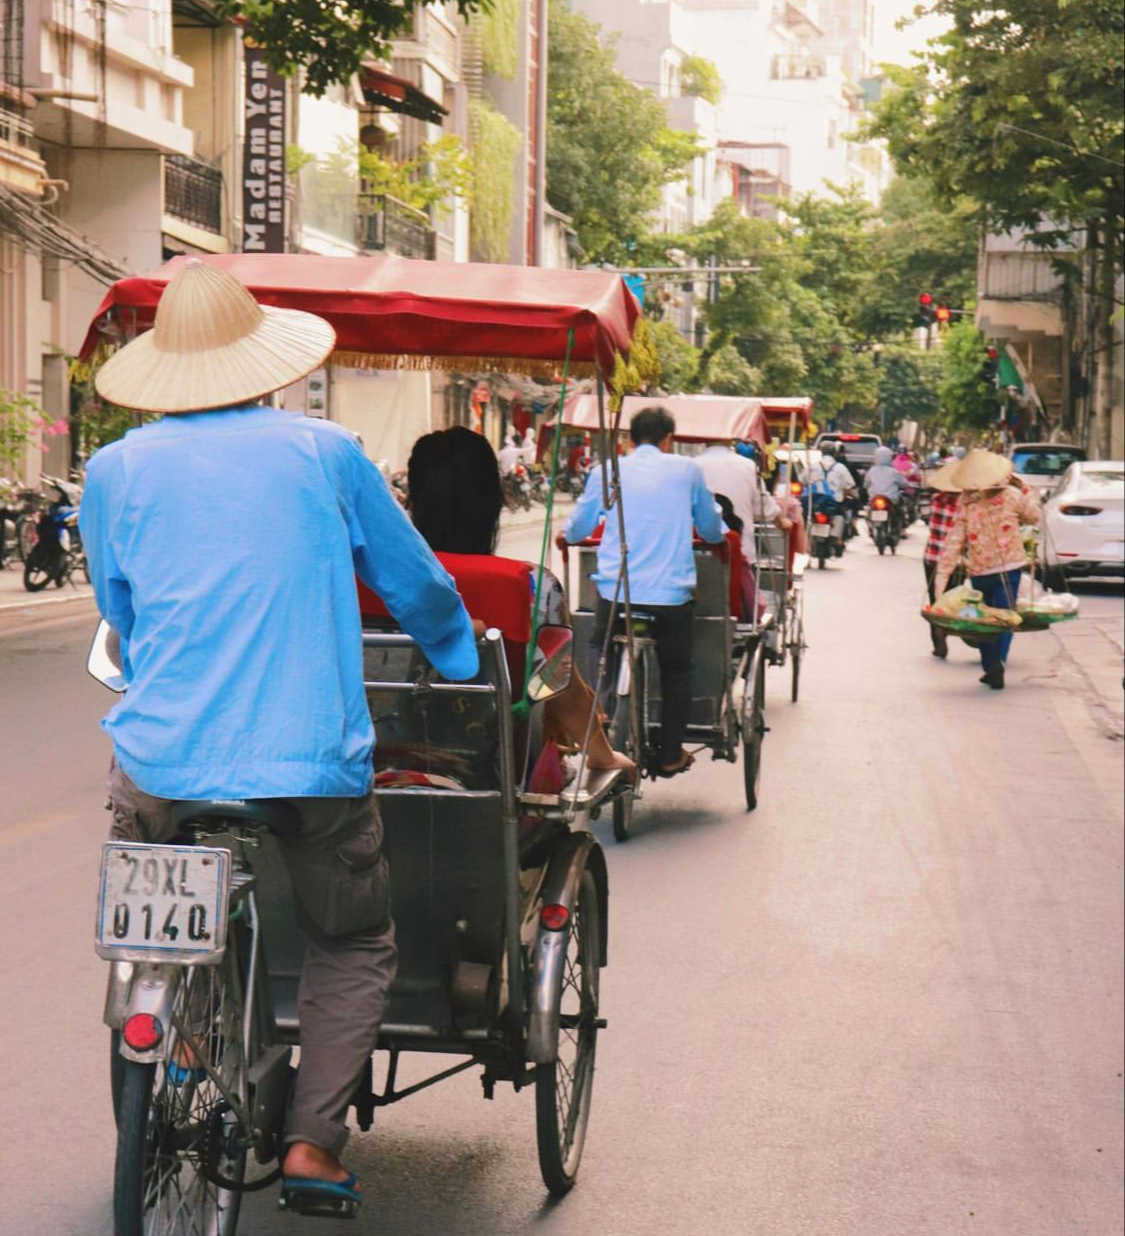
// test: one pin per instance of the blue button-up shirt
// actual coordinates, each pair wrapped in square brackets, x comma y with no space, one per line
[223,546]
[664,496]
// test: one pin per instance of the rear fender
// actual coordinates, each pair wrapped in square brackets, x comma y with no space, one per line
[152,990]
[560,887]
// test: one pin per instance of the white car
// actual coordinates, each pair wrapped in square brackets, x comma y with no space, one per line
[1082,528]
[1041,464]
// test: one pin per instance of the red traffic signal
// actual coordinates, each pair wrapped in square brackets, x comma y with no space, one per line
[925,299]
[943,313]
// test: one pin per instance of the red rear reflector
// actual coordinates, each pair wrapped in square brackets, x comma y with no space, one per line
[796,486]
[820,518]
[1080,510]
[554,917]
[142,1031]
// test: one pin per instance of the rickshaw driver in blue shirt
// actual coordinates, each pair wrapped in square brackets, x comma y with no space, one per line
[223,546]
[664,496]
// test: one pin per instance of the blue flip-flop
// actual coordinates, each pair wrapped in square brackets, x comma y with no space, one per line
[181,1074]
[322,1199]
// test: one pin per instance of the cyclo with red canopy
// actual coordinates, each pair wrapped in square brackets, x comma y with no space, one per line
[732,633]
[500,893]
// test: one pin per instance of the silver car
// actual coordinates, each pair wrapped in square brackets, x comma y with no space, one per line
[1040,464]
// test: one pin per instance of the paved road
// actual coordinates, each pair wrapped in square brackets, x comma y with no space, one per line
[889,1003]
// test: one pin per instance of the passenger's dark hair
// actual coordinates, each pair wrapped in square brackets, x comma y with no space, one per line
[651,426]
[454,494]
[731,520]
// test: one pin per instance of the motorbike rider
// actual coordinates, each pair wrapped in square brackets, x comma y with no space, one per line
[832,484]
[885,481]
[663,495]
[223,544]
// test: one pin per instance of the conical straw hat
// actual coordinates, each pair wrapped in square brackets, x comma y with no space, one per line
[213,346]
[941,479]
[981,470]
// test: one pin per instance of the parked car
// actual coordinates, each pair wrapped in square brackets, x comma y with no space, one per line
[1082,531]
[1040,464]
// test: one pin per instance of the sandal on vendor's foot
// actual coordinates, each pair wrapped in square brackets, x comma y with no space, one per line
[320,1199]
[685,761]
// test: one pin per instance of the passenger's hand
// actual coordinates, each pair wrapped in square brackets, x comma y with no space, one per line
[478,629]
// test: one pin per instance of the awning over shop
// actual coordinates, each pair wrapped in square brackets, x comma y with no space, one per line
[383,89]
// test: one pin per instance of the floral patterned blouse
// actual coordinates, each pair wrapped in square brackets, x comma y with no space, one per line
[986,528]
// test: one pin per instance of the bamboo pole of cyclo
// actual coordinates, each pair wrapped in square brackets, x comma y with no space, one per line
[790,472]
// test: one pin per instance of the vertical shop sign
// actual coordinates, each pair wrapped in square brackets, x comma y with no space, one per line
[263,160]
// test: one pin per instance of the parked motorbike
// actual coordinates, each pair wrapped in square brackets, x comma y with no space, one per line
[57,550]
[883,521]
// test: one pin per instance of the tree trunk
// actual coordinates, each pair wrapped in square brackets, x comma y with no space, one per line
[1102,438]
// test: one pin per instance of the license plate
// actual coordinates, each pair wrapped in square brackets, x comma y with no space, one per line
[162,903]
[821,530]
[880,517]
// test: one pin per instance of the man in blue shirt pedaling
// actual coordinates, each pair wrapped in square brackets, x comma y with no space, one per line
[223,543]
[663,496]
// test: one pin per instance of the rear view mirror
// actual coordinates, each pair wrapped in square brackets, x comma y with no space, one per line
[104,660]
[552,662]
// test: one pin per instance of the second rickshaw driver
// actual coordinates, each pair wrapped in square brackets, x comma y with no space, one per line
[663,496]
[223,543]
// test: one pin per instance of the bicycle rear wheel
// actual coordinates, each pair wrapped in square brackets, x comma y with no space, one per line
[181,1150]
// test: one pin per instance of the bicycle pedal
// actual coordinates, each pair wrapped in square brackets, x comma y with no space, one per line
[317,1204]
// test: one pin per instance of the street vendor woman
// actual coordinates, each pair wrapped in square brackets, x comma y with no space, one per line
[986,529]
[662,495]
[223,543]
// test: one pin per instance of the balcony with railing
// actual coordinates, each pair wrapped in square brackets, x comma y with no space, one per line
[193,192]
[384,224]
[20,165]
[796,66]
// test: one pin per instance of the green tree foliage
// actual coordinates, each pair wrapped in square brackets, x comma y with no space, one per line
[496,142]
[967,401]
[909,381]
[678,360]
[609,152]
[728,373]
[701,78]
[439,170]
[328,39]
[497,28]
[20,419]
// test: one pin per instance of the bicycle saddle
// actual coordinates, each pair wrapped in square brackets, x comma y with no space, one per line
[272,813]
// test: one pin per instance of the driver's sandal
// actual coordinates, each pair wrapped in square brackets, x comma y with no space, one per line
[320,1199]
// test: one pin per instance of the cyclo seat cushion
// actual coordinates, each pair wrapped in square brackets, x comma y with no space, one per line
[497,591]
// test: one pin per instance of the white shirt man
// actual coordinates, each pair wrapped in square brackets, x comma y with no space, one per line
[508,455]
[736,478]
[829,469]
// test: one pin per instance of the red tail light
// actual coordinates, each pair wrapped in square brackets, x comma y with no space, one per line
[820,518]
[554,917]
[795,487]
[142,1031]
[880,503]
[1080,510]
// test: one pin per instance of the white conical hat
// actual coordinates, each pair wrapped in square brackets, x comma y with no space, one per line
[982,470]
[213,346]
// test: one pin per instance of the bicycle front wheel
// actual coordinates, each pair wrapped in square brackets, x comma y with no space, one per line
[181,1149]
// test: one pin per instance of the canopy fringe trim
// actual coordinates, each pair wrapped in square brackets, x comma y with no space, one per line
[464,364]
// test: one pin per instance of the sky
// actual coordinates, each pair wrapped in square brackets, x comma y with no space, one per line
[894,46]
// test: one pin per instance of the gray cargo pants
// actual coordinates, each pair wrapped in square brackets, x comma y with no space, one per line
[342,899]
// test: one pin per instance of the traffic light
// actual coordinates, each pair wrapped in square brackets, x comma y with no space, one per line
[943,314]
[991,366]
[925,315]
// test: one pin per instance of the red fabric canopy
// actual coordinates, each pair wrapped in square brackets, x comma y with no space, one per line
[386,307]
